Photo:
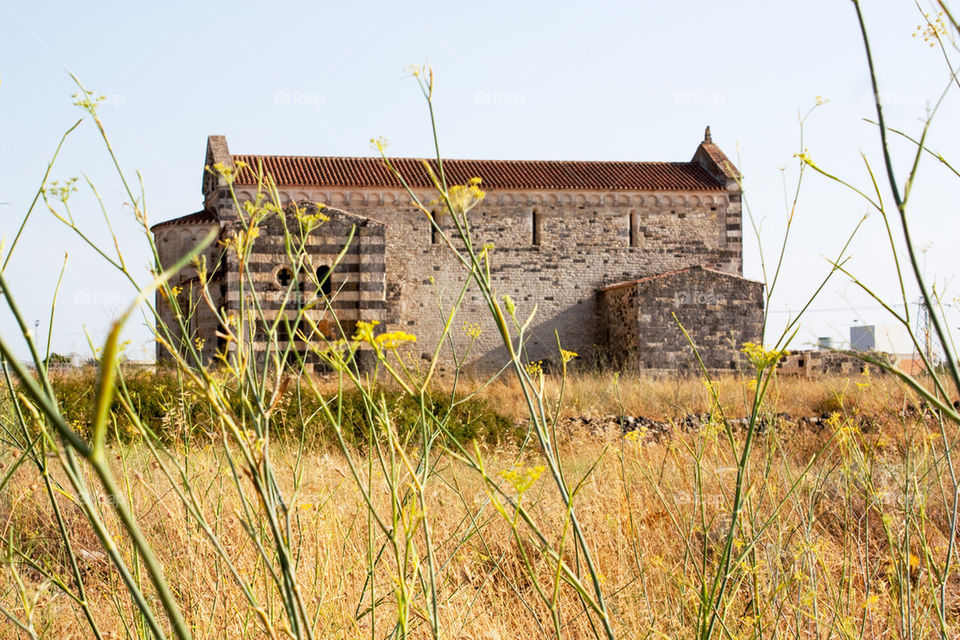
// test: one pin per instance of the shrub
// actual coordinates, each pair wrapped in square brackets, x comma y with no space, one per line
[175,415]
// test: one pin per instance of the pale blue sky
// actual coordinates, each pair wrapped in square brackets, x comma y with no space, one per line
[532,80]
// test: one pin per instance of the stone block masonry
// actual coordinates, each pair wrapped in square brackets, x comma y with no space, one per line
[643,320]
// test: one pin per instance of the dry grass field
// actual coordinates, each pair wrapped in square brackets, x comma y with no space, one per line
[851,550]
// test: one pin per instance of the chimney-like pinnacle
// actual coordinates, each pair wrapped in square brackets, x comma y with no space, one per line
[706,135]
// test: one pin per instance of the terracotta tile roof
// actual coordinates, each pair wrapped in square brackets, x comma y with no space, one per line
[496,174]
[200,217]
[721,160]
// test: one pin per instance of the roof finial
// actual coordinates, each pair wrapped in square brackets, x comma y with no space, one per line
[706,135]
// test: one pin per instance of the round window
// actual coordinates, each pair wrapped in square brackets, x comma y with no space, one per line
[284,277]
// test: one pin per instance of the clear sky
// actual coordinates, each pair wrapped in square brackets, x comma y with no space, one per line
[517,80]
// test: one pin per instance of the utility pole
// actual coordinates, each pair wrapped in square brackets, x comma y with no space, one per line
[923,327]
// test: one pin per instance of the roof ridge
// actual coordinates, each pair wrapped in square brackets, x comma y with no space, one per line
[421,159]
[666,274]
[585,175]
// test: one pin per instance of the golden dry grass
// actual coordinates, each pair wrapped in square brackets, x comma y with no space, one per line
[852,548]
[669,397]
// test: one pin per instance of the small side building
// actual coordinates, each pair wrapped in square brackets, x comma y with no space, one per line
[642,319]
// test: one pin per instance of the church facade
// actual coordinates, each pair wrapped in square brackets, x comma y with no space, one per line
[611,254]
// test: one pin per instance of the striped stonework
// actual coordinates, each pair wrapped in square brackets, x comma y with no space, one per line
[291,284]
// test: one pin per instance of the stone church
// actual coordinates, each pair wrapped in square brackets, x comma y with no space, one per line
[610,253]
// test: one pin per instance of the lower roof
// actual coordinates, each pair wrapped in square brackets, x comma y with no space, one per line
[206,216]
[677,272]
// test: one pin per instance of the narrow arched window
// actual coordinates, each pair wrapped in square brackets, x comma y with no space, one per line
[535,224]
[634,232]
[434,234]
[323,278]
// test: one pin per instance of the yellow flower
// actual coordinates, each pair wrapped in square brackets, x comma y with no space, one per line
[762,358]
[87,101]
[472,329]
[389,340]
[365,331]
[463,198]
[225,172]
[535,368]
[242,240]
[379,144]
[933,30]
[393,339]
[568,355]
[523,478]
[61,191]
[806,159]
[310,221]
[866,378]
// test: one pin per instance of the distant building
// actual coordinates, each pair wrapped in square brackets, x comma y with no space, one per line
[910,363]
[827,342]
[863,337]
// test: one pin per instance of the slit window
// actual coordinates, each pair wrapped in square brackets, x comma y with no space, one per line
[634,231]
[324,278]
[535,223]
[434,233]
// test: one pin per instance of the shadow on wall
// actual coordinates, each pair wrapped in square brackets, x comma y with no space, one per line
[541,346]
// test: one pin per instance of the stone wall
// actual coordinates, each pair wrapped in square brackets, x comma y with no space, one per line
[719,311]
[583,241]
[289,282]
[552,251]
[817,362]
[283,285]
[173,241]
